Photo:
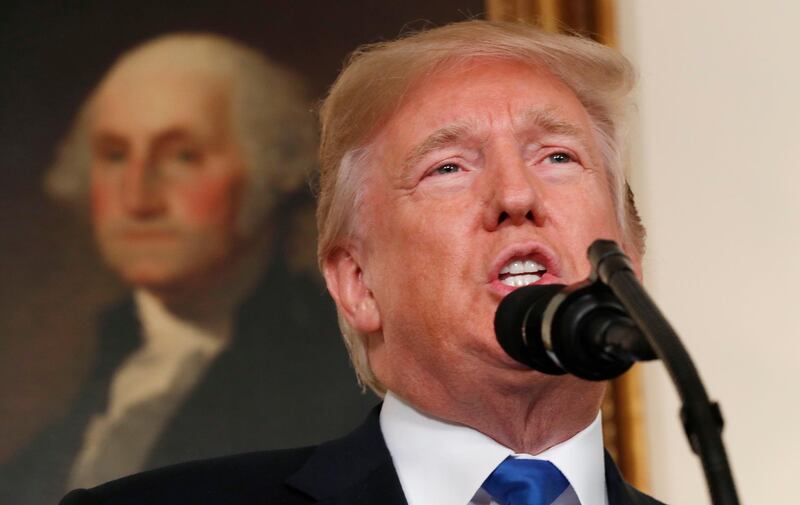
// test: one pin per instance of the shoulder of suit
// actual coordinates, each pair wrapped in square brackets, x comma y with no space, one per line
[640,498]
[242,478]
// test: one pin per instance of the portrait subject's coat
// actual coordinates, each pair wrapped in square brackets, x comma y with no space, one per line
[284,381]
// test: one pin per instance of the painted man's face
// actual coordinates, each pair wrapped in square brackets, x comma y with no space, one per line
[167,178]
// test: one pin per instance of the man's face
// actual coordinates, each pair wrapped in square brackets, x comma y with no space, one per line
[166,178]
[486,178]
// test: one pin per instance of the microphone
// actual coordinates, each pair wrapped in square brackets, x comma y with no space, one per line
[588,329]
[581,329]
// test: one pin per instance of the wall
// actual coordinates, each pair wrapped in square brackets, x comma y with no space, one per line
[717,171]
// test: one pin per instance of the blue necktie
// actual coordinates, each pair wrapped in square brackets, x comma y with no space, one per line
[525,482]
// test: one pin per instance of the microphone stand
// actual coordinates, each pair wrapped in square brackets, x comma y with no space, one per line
[702,418]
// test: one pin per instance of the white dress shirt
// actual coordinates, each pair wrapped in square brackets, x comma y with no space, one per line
[174,356]
[441,463]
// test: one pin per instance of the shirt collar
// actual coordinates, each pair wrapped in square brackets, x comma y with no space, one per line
[457,459]
[168,334]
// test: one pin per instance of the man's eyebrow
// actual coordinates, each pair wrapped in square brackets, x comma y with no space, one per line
[548,120]
[170,135]
[442,137]
[106,136]
[175,133]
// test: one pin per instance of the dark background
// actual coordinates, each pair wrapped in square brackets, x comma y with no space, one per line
[52,54]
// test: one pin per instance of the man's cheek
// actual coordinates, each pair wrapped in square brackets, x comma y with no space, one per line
[102,202]
[211,203]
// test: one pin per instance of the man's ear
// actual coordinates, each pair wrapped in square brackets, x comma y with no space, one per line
[345,281]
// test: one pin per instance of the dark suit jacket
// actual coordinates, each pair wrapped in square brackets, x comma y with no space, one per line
[285,381]
[354,470]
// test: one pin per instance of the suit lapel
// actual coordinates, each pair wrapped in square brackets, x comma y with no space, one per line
[356,469]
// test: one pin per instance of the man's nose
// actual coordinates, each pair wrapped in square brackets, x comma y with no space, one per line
[514,193]
[141,189]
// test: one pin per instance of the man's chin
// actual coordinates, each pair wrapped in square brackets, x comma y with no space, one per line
[159,279]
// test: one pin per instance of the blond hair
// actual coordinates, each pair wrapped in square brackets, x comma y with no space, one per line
[376,78]
[272,121]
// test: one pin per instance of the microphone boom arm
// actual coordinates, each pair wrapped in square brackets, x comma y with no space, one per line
[702,418]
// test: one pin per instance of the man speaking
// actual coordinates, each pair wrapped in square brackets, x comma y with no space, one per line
[457,164]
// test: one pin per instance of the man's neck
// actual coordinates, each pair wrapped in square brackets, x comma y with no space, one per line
[527,417]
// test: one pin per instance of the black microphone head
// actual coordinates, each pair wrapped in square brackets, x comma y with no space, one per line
[518,326]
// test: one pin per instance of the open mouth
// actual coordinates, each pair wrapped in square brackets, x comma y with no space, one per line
[519,272]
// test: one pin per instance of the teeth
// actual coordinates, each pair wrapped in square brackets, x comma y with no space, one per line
[532,266]
[521,272]
[517,281]
[517,267]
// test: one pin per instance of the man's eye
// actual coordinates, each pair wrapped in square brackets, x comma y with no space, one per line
[447,168]
[113,156]
[559,157]
[187,156]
